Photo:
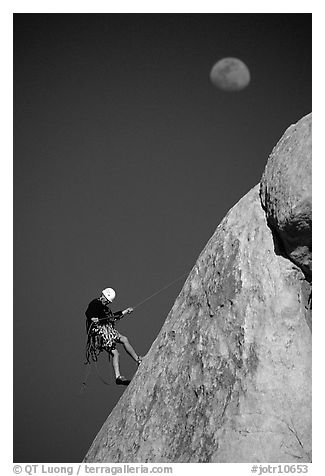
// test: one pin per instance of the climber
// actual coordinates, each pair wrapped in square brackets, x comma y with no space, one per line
[102,334]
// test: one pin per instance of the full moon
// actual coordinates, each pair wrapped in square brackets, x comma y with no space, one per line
[230,74]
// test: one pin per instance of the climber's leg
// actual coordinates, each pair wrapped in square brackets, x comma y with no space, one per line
[115,362]
[128,347]
[119,379]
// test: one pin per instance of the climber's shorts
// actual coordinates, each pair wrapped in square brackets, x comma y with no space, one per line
[105,337]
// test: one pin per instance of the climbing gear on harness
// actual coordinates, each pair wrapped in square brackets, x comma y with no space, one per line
[93,345]
[99,338]
[92,352]
[109,294]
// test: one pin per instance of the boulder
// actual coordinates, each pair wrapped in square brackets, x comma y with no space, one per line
[286,193]
[228,378]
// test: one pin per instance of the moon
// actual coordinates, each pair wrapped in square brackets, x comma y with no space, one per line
[230,74]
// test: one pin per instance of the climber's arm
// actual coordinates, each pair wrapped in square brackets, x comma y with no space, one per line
[119,314]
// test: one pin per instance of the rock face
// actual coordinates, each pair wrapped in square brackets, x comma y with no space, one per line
[228,378]
[286,193]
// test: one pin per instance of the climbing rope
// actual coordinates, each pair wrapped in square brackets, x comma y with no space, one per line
[159,291]
[91,354]
[87,375]
[100,376]
[85,380]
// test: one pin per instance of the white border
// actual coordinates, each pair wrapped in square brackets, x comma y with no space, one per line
[159,6]
[96,6]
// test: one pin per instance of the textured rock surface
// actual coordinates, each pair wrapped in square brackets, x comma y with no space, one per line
[286,192]
[228,378]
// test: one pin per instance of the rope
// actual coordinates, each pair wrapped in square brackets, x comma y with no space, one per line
[87,375]
[159,291]
[85,380]
[100,377]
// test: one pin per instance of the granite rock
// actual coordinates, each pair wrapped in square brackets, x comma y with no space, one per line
[228,378]
[286,193]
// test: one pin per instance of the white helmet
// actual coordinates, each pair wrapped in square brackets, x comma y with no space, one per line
[109,294]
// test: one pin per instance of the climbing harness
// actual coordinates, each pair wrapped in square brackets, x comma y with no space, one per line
[103,338]
[92,353]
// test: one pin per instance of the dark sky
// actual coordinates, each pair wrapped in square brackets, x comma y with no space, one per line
[126,159]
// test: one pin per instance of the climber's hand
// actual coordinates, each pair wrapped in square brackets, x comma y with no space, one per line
[95,319]
[129,310]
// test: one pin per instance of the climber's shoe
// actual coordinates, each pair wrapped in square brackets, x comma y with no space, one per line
[139,360]
[120,380]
